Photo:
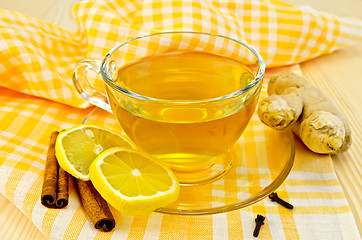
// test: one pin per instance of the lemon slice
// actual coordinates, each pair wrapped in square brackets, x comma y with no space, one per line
[132,182]
[76,148]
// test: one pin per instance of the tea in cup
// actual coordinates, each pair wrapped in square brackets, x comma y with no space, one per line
[185,98]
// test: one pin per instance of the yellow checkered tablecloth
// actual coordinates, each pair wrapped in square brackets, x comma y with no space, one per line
[37,97]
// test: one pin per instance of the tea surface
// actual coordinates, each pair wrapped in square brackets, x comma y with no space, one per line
[185,76]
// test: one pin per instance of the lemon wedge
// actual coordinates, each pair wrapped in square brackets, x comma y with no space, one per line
[132,182]
[76,148]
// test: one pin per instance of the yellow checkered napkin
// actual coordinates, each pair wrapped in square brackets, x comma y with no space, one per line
[37,97]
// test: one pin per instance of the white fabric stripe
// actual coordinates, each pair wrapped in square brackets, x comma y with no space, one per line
[272,36]
[217,193]
[242,170]
[123,227]
[258,128]
[65,216]
[351,32]
[254,139]
[2,142]
[22,150]
[38,214]
[23,188]
[88,231]
[317,202]
[220,226]
[275,226]
[26,141]
[343,42]
[7,134]
[153,227]
[217,204]
[4,176]
[309,188]
[351,23]
[248,223]
[299,175]
[333,227]
[305,29]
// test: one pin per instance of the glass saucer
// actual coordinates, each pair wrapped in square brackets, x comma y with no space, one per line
[262,160]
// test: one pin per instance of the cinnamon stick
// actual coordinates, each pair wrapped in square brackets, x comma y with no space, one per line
[95,206]
[62,193]
[55,186]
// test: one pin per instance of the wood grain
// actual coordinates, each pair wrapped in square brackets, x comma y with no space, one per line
[339,80]
[14,224]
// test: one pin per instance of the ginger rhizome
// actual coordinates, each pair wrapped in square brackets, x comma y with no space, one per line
[296,103]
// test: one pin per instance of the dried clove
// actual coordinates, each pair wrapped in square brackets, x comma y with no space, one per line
[275,198]
[259,220]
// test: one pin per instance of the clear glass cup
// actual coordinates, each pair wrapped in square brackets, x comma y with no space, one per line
[261,160]
[183,97]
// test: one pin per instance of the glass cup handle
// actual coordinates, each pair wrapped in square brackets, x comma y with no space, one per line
[85,88]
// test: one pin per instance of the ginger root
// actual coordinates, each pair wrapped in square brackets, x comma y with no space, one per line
[294,102]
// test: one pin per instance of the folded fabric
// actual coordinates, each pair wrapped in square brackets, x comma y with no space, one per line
[41,56]
[37,59]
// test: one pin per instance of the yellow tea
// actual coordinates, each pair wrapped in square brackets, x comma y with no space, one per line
[193,128]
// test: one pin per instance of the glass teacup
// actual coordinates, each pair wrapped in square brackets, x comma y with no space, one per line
[183,97]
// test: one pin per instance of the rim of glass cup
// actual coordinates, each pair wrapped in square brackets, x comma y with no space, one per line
[259,76]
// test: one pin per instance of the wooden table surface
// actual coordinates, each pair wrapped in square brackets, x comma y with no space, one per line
[338,75]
